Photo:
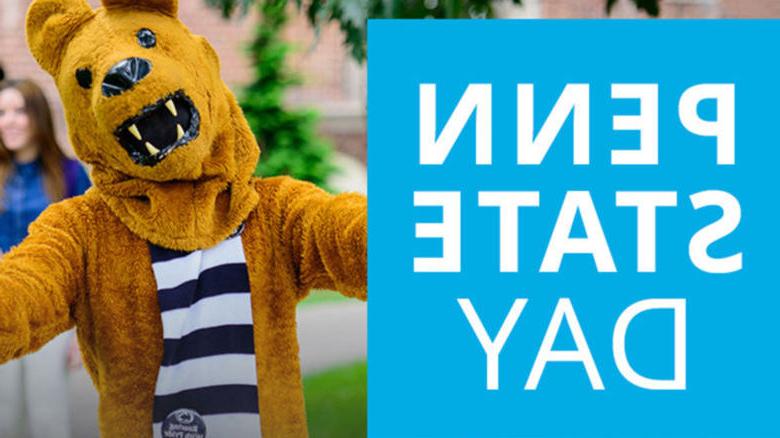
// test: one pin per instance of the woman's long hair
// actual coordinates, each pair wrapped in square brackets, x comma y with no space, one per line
[50,155]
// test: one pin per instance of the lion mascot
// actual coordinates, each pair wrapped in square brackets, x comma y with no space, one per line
[180,270]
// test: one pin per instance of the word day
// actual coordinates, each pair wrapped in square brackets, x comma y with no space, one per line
[565,311]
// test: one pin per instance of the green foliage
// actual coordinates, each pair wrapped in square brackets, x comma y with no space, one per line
[649,6]
[351,15]
[336,403]
[228,7]
[288,138]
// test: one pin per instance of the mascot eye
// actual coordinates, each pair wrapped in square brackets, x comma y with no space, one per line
[84,77]
[146,38]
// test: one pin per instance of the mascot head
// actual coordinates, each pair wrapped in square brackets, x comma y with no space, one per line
[171,152]
[142,95]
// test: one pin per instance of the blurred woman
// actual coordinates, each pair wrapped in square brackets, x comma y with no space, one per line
[34,173]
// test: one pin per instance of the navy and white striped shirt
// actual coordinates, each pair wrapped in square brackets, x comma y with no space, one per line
[207,383]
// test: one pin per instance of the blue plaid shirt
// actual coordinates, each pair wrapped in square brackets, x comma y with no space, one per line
[24,199]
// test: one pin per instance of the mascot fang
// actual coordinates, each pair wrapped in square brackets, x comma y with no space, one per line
[179,269]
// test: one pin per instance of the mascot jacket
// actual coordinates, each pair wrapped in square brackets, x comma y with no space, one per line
[179,269]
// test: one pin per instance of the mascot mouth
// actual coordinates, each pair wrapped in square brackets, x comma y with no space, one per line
[159,129]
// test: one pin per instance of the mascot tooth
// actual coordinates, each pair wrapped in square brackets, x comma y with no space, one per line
[180,270]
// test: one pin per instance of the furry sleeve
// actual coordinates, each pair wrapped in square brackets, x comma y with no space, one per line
[328,238]
[39,281]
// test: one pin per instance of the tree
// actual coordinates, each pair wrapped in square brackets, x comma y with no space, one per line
[287,137]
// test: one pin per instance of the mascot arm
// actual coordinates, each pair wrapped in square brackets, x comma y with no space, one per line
[39,281]
[329,239]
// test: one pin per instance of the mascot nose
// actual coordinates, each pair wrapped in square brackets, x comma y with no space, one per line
[124,75]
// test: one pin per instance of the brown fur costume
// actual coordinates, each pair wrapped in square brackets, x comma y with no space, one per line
[87,262]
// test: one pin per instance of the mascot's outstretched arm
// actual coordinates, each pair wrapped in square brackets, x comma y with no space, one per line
[39,281]
[328,238]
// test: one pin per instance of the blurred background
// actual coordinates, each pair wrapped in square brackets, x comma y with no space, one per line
[299,71]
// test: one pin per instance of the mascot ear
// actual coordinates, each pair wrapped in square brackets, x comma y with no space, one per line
[167,7]
[50,26]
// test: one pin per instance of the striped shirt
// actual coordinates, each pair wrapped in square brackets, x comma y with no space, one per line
[207,383]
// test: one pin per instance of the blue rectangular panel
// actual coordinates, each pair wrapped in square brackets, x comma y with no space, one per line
[428,372]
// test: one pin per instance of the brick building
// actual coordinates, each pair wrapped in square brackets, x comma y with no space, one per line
[334,84]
